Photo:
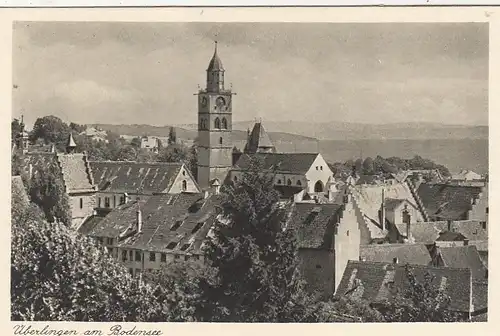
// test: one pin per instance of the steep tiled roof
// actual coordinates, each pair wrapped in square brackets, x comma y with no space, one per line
[481,245]
[131,177]
[74,168]
[372,281]
[89,224]
[464,257]
[182,220]
[448,201]
[369,200]
[473,230]
[297,163]
[75,171]
[449,236]
[417,254]
[259,140]
[288,191]
[314,224]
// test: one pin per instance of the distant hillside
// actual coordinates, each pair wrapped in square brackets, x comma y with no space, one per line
[355,131]
[189,132]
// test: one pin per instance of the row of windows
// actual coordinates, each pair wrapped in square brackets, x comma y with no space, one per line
[107,201]
[218,123]
[152,256]
[319,167]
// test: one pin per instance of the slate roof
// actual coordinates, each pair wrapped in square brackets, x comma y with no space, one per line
[259,140]
[75,170]
[181,219]
[215,63]
[448,201]
[89,224]
[288,191]
[417,254]
[372,281]
[314,224]
[134,177]
[296,163]
[464,257]
[449,236]
[428,232]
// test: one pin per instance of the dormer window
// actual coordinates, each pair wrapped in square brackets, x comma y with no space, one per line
[171,245]
[176,225]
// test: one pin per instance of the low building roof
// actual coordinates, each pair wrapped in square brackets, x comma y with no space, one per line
[448,201]
[416,254]
[177,222]
[315,224]
[134,177]
[428,232]
[375,282]
[464,257]
[294,163]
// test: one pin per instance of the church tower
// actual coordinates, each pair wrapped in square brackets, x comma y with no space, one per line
[214,126]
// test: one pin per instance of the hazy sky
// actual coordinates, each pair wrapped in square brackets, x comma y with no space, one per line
[139,73]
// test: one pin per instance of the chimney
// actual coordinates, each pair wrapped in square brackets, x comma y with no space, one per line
[139,221]
[449,222]
[382,211]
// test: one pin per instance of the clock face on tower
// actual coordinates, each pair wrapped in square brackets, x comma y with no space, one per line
[204,101]
[220,102]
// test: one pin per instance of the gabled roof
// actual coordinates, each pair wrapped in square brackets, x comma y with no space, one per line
[392,203]
[372,281]
[428,232]
[134,177]
[314,224]
[259,141]
[170,222]
[74,168]
[448,201]
[449,236]
[464,257]
[295,163]
[417,254]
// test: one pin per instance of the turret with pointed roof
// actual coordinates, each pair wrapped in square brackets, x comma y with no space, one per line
[71,144]
[215,73]
[259,141]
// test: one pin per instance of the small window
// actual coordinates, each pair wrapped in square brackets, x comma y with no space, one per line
[183,173]
[483,224]
[124,255]
[317,168]
[186,257]
[184,185]
[152,256]
[122,199]
[197,227]
[220,141]
[217,123]
[299,183]
[114,201]
[110,249]
[106,202]
[224,123]
[289,182]
[236,179]
[131,271]
[81,203]
[279,181]
[318,266]
[163,257]
[320,167]
[137,256]
[487,210]
[109,241]
[171,245]
[347,233]
[177,256]
[176,225]
[99,202]
[131,255]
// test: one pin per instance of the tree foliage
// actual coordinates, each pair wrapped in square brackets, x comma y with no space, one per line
[47,190]
[172,136]
[52,130]
[255,260]
[57,275]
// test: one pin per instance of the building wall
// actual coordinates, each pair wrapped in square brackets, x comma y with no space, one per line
[479,210]
[81,206]
[114,199]
[396,215]
[347,241]
[319,171]
[177,185]
[317,268]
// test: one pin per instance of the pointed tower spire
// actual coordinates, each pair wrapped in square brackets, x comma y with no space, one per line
[215,73]
[71,145]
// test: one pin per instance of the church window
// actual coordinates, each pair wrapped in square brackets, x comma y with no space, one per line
[184,185]
[217,123]
[317,168]
[289,182]
[320,167]
[224,123]
[318,187]
[220,141]
[299,183]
